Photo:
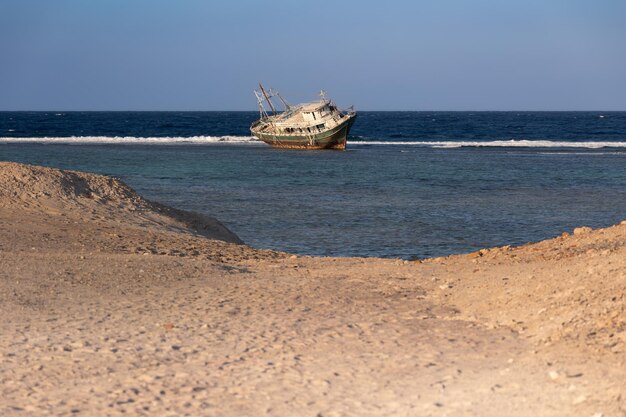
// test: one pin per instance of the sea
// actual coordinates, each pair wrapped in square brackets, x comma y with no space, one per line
[410,185]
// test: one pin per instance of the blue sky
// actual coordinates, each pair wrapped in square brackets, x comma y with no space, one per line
[377,55]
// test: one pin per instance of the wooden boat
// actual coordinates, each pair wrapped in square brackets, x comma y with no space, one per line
[316,125]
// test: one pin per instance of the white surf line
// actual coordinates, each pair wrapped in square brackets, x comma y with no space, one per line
[499,143]
[134,140]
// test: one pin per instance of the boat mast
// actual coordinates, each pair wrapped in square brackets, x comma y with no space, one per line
[259,100]
[267,98]
[277,94]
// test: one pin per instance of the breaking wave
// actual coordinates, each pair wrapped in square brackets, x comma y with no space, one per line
[498,143]
[131,140]
[251,140]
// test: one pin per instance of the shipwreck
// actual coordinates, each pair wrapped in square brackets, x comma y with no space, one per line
[316,125]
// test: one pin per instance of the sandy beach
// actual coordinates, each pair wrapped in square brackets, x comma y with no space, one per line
[114,305]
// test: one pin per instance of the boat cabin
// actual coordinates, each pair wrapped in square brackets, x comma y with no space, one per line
[316,111]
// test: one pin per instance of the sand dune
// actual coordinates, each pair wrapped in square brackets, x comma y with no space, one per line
[113,305]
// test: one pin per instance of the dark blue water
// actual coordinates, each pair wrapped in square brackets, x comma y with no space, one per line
[372,126]
[412,184]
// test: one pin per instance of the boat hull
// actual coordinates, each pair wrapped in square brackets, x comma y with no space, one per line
[334,138]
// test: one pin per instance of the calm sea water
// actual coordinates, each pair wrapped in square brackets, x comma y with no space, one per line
[411,184]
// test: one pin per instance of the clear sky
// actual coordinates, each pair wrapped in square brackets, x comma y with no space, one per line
[377,55]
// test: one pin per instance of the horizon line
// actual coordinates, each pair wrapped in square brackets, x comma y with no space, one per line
[363,110]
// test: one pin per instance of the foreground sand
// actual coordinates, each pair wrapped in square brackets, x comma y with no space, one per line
[114,305]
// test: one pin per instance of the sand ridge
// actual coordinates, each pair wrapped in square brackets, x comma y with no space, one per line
[64,192]
[115,305]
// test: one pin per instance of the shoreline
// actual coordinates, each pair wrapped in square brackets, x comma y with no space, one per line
[110,300]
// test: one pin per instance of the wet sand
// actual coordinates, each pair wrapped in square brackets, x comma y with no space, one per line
[115,305]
